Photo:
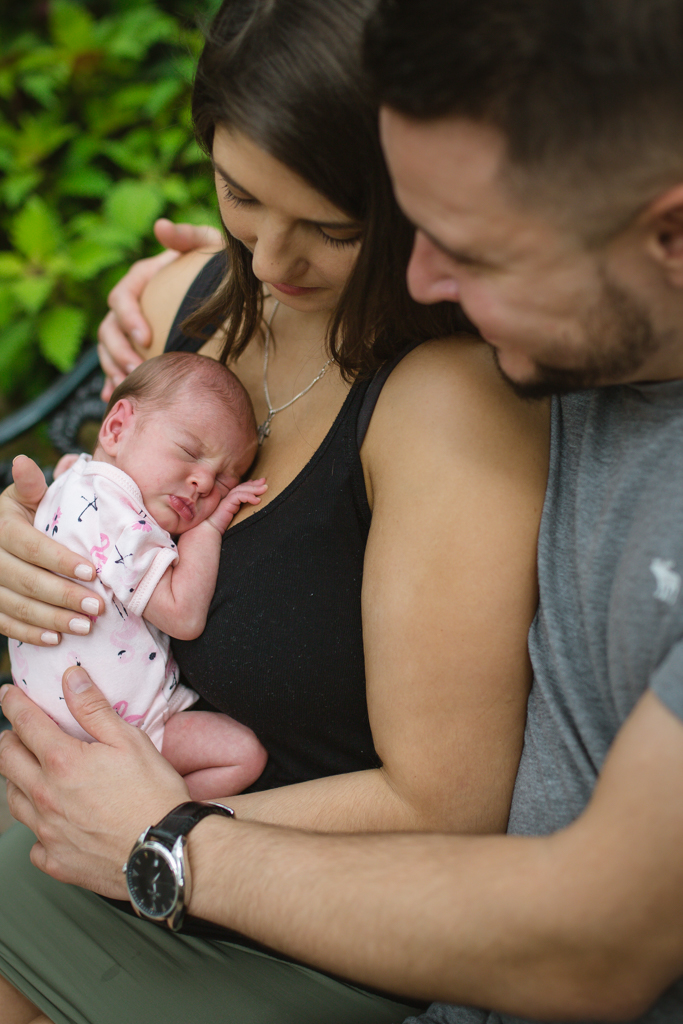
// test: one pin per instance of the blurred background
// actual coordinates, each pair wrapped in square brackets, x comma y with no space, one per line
[95,143]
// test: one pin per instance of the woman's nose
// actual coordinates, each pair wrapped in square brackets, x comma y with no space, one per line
[276,255]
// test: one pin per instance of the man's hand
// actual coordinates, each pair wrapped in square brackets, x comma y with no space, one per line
[248,491]
[86,803]
[124,326]
[37,605]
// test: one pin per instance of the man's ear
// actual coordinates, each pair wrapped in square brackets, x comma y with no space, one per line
[117,426]
[663,223]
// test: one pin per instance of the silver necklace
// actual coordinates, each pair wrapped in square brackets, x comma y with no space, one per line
[264,428]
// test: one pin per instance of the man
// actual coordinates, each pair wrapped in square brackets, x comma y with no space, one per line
[538,147]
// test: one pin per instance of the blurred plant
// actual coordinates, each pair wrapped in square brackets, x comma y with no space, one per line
[95,143]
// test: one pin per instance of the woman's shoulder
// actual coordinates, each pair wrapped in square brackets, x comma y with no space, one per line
[161,298]
[448,398]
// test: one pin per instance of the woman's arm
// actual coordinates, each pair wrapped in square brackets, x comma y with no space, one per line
[37,597]
[457,468]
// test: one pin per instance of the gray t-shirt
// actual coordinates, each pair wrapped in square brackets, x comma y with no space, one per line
[610,617]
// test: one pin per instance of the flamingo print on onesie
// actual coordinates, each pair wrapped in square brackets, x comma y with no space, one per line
[97,511]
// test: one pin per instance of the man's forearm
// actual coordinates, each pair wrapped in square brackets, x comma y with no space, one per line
[483,921]
[582,924]
[381,910]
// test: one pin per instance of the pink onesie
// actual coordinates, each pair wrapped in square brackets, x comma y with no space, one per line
[97,511]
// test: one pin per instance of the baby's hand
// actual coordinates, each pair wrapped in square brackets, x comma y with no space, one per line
[248,491]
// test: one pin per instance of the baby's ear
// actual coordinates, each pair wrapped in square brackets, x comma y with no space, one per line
[117,424]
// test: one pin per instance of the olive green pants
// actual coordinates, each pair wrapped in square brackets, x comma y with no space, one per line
[82,961]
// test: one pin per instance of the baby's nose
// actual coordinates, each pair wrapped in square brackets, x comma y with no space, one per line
[203,479]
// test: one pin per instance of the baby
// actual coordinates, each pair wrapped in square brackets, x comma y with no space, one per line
[177,435]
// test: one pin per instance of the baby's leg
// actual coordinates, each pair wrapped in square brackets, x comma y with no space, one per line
[216,755]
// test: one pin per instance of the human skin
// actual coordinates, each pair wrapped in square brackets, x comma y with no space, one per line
[187,459]
[115,348]
[587,923]
[455,468]
[533,287]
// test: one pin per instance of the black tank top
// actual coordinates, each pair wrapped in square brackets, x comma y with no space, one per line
[283,646]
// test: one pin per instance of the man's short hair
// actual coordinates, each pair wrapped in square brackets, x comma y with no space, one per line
[588,94]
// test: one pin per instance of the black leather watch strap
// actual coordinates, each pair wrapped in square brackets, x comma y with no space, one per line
[183,818]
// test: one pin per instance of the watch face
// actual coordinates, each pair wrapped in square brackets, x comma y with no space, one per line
[152,882]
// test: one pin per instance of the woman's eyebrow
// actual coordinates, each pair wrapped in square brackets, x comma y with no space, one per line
[230,181]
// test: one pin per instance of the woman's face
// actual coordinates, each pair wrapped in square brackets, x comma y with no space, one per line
[304,247]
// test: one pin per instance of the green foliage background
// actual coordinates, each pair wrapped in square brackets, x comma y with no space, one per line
[95,143]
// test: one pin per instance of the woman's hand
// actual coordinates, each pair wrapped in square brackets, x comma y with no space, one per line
[86,803]
[35,605]
[124,326]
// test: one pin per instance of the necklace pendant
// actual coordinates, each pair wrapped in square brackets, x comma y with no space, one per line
[264,430]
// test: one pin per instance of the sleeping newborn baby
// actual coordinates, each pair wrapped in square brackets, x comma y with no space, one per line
[177,435]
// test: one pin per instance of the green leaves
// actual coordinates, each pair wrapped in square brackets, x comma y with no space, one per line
[134,206]
[35,231]
[60,332]
[95,143]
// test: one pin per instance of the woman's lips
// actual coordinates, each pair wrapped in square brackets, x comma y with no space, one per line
[185,509]
[292,289]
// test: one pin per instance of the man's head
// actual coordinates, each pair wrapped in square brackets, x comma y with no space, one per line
[538,147]
[182,427]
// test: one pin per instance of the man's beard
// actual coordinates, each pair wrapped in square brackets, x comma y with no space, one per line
[619,336]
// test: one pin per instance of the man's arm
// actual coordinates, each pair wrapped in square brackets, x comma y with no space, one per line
[125,333]
[587,923]
[181,598]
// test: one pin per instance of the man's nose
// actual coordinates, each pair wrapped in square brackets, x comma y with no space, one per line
[431,277]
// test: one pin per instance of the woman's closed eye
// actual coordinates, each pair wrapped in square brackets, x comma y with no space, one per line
[234,199]
[338,242]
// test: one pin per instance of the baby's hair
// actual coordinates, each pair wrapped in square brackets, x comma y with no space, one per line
[158,381]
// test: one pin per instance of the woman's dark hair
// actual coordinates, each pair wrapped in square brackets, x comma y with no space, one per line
[288,74]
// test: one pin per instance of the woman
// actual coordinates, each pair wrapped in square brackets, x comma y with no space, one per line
[402,710]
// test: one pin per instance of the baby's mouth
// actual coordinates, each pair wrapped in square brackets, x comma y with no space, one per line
[184,508]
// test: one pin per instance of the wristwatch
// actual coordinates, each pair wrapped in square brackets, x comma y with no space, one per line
[157,871]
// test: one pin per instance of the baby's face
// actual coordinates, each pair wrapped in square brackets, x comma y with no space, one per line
[184,459]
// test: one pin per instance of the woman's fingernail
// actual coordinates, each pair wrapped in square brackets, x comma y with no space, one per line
[136,335]
[3,692]
[83,572]
[49,637]
[131,366]
[77,679]
[90,605]
[79,626]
